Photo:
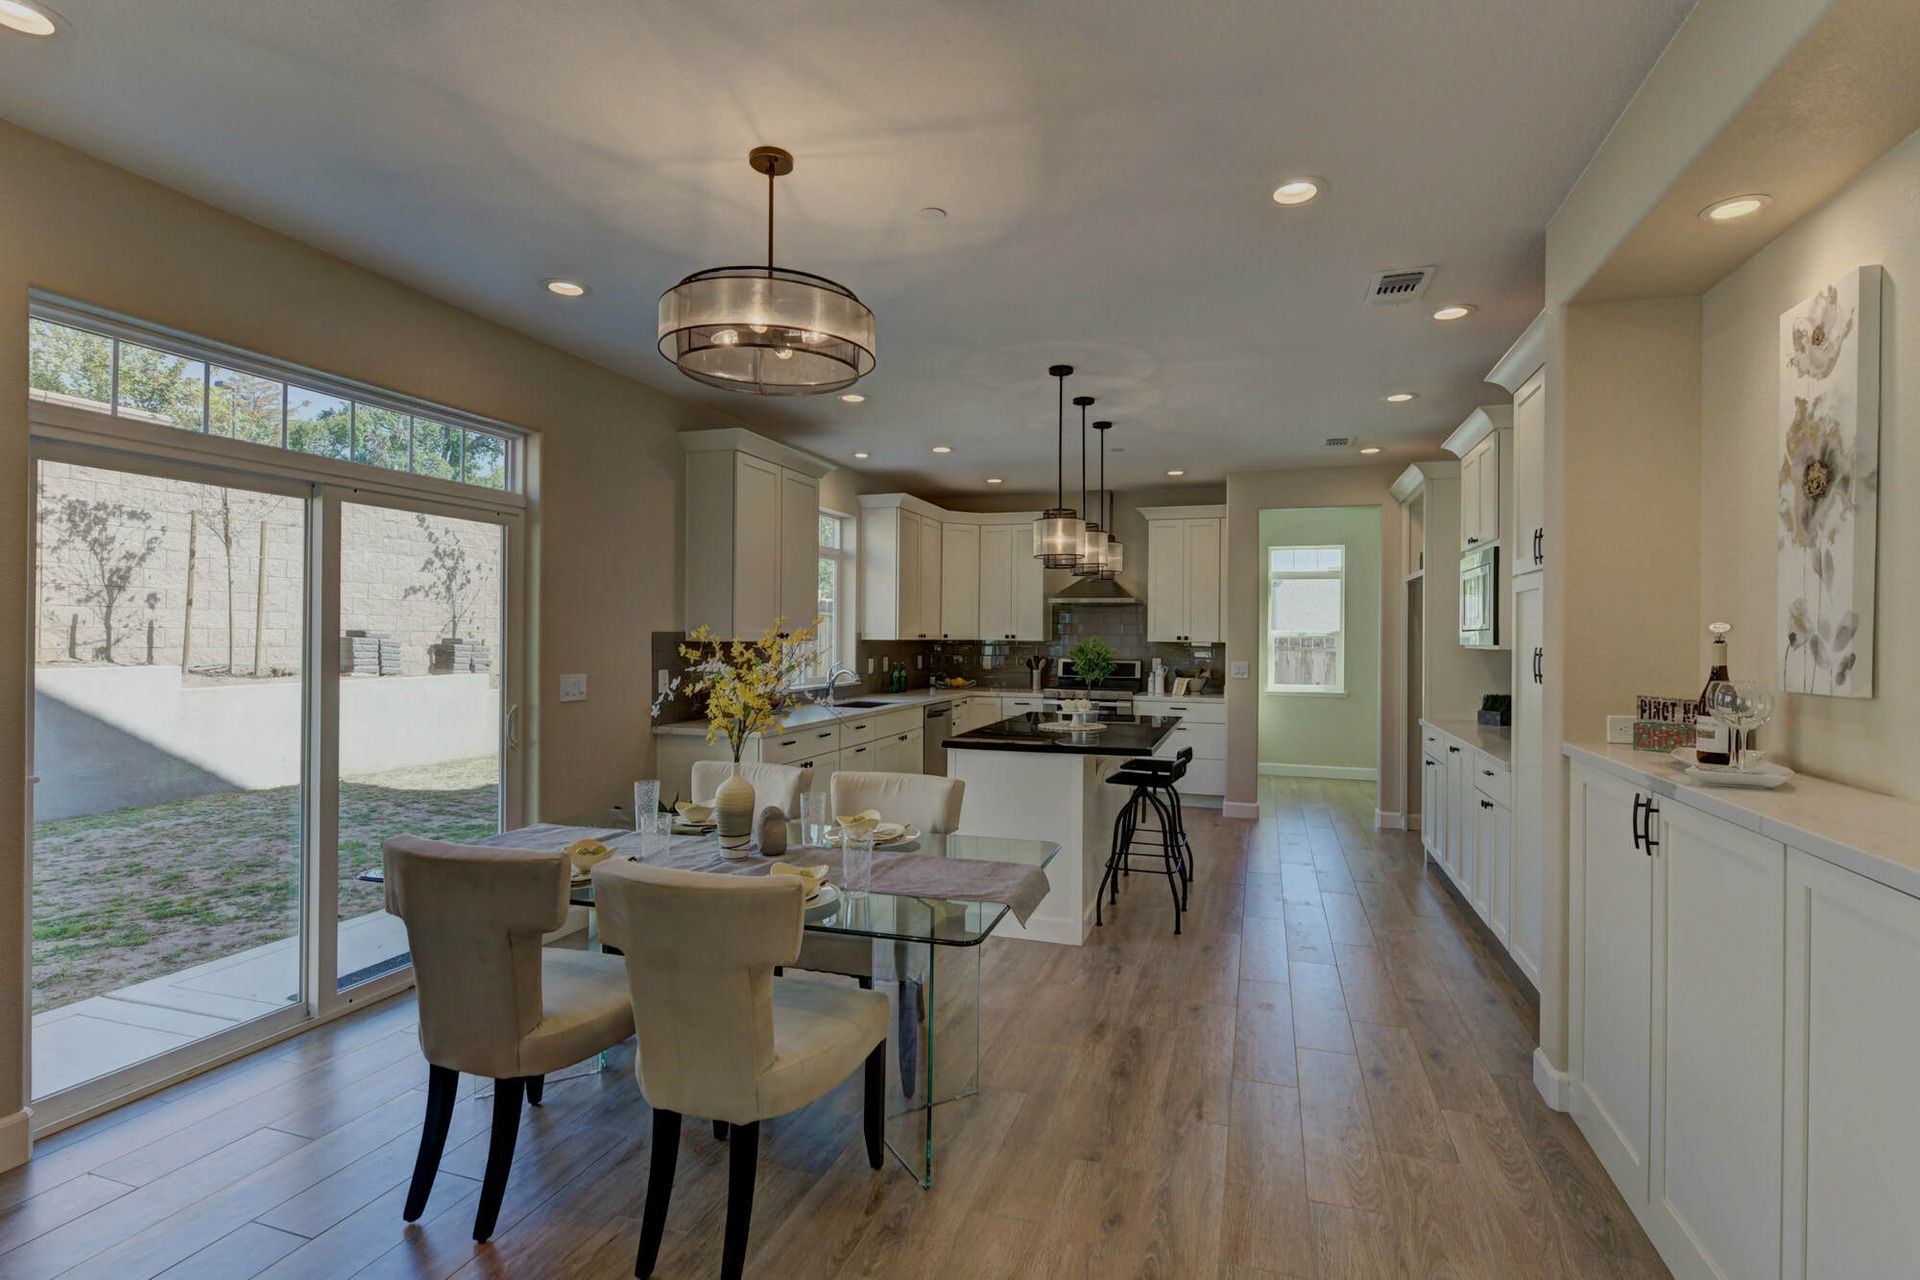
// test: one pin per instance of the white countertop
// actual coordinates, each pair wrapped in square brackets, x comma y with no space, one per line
[1873,835]
[1185,697]
[818,714]
[1491,740]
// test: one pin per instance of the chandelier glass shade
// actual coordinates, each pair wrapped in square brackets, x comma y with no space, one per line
[1057,533]
[767,330]
[1095,543]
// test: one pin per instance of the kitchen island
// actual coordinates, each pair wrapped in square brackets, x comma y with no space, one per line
[1026,782]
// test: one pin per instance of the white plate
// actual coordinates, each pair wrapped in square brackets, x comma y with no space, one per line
[825,899]
[1070,726]
[908,834]
[1764,776]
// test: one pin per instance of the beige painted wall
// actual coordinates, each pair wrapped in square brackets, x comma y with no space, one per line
[1339,731]
[608,544]
[1248,494]
[1867,742]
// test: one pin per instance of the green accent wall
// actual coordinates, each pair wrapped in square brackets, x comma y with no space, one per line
[1334,731]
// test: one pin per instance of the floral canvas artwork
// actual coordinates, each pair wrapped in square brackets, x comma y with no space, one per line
[1829,474]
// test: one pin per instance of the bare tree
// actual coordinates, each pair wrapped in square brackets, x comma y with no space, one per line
[452,579]
[105,544]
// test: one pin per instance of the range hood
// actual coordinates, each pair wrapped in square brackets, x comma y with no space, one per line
[1093,591]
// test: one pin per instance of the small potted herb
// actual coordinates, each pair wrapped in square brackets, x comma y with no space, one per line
[1092,661]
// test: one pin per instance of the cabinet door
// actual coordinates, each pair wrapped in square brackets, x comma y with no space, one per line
[1613,1065]
[1459,828]
[1852,1130]
[1489,476]
[1719,1041]
[1529,779]
[862,759]
[1470,499]
[1029,589]
[1493,846]
[930,555]
[1204,614]
[1433,813]
[960,582]
[757,566]
[996,581]
[799,549]
[1529,474]
[1166,579]
[907,585]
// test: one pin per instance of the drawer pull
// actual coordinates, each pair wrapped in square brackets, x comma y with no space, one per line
[1453,749]
[1487,772]
[1486,804]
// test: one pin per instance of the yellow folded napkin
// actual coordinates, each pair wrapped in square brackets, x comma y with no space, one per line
[813,876]
[585,853]
[859,823]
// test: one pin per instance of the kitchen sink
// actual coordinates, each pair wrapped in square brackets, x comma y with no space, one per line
[861,706]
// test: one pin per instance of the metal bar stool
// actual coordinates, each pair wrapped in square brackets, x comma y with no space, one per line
[1154,786]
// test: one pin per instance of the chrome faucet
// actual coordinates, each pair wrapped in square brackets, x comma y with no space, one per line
[833,680]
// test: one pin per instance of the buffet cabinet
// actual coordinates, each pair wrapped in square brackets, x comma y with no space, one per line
[1741,1038]
[1466,826]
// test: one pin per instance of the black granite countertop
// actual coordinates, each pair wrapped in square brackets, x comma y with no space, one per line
[1122,736]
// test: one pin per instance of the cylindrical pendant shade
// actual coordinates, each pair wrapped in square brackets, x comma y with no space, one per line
[1116,558]
[1056,538]
[1093,551]
[767,331]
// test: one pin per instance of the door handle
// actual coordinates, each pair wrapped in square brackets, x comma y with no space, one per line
[513,727]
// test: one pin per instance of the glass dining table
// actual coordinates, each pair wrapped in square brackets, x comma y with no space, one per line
[925,950]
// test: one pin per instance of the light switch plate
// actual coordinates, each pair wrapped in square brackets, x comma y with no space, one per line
[1239,670]
[573,688]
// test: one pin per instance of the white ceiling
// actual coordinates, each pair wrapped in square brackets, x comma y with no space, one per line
[1106,165]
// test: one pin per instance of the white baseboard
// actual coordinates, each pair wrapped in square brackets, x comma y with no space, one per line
[1341,772]
[1235,809]
[1383,821]
[16,1139]
[1555,1085]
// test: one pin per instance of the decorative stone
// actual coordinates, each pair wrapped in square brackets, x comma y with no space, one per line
[773,832]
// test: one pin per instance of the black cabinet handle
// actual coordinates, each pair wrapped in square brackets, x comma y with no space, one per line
[1538,655]
[826,735]
[1486,804]
[1472,541]
[1640,802]
[1486,773]
[1453,749]
[1653,811]
[1539,544]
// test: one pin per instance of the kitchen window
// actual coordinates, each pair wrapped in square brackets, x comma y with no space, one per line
[834,606]
[1306,620]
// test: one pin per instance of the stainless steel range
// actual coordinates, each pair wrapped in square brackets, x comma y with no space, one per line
[1115,694]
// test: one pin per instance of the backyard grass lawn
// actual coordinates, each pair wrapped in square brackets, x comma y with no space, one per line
[122,897]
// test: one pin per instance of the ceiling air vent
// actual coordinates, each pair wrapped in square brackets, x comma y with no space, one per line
[1390,288]
[1339,442]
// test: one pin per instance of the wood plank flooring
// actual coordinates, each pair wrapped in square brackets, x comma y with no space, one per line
[1326,1074]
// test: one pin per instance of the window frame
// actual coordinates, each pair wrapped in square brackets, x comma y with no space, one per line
[845,636]
[1274,576]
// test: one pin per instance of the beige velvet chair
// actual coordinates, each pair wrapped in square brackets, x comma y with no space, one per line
[779,785]
[720,1036]
[493,1001]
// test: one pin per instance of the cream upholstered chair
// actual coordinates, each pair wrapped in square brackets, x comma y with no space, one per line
[493,1001]
[720,1036]
[773,785]
[930,803]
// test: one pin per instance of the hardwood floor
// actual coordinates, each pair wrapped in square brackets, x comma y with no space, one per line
[1327,1074]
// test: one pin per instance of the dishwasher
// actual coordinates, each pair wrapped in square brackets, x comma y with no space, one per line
[933,737]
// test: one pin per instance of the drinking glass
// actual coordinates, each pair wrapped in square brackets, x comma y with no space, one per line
[1745,705]
[856,863]
[646,800]
[656,835]
[813,817]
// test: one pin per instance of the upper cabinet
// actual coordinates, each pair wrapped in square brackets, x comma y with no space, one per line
[928,574]
[753,533]
[1523,372]
[1486,467]
[1186,559]
[1012,584]
[959,581]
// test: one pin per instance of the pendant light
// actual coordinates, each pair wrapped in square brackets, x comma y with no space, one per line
[1056,534]
[1093,537]
[767,331]
[1111,553]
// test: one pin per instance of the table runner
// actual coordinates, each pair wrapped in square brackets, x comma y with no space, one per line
[904,872]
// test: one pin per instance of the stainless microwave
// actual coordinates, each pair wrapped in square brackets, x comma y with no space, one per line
[1480,598]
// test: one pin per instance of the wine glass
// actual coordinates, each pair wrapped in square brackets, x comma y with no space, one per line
[1744,705]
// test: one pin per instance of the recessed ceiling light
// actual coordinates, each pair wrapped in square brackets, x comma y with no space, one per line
[859,455]
[941,448]
[17,15]
[1298,190]
[1176,473]
[1401,397]
[565,288]
[1372,448]
[854,398]
[1736,207]
[933,213]
[1453,311]
[993,480]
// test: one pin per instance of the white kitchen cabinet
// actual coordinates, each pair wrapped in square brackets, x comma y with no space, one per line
[899,752]
[960,582]
[1529,779]
[1852,1133]
[1612,937]
[1433,805]
[1529,475]
[900,568]
[1486,474]
[929,583]
[1012,585]
[1202,729]
[1456,838]
[1186,549]
[752,535]
[1020,704]
[867,757]
[1493,862]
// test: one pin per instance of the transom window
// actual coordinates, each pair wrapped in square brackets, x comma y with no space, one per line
[1306,620]
[79,367]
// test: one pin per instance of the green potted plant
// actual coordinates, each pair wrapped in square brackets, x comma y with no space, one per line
[1092,661]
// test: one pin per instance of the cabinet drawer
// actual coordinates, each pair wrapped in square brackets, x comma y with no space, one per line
[1020,706]
[802,744]
[891,724]
[1209,741]
[1205,778]
[855,732]
[1191,710]
[1492,779]
[868,757]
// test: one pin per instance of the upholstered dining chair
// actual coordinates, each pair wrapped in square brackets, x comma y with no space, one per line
[720,1036]
[773,785]
[493,1001]
[930,803]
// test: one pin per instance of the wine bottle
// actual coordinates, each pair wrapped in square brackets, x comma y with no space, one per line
[1712,738]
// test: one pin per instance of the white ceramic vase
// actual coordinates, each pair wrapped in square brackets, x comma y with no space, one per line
[733,814]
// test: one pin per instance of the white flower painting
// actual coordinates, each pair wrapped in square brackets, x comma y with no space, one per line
[1829,475]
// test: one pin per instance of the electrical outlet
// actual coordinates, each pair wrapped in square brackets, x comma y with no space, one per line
[869,664]
[1239,670]
[1620,730]
[661,680]
[573,688]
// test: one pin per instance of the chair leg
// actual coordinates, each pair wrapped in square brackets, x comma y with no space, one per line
[653,1218]
[720,1128]
[743,1162]
[442,1084]
[507,1095]
[876,1104]
[1114,858]
[536,1089]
